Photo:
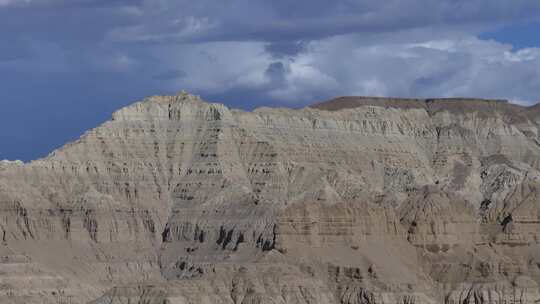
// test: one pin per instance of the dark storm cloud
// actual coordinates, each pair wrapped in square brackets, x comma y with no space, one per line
[307,20]
[287,25]
[26,4]
[286,49]
[276,72]
[170,74]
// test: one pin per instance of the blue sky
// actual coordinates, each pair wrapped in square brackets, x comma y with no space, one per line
[66,65]
[519,34]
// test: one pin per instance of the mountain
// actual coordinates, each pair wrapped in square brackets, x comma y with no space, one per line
[355,200]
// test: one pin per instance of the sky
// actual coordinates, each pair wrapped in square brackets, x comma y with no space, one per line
[65,66]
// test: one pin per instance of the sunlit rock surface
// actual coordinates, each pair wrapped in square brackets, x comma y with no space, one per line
[355,200]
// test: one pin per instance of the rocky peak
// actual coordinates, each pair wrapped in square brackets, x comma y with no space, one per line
[180,97]
[168,107]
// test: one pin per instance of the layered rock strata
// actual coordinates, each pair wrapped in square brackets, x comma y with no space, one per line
[355,200]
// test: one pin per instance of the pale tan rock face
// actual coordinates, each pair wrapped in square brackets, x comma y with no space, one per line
[357,200]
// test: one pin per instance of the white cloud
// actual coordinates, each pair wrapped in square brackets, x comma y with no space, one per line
[440,45]
[303,82]
[466,67]
[216,66]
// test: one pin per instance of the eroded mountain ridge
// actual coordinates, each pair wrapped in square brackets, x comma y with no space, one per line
[356,200]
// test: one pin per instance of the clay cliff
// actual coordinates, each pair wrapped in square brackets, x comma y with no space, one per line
[354,200]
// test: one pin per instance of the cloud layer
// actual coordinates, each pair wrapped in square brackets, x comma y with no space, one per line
[65,65]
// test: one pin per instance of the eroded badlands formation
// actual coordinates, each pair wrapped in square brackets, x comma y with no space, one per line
[356,200]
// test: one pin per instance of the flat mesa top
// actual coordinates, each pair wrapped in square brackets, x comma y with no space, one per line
[410,103]
[483,107]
